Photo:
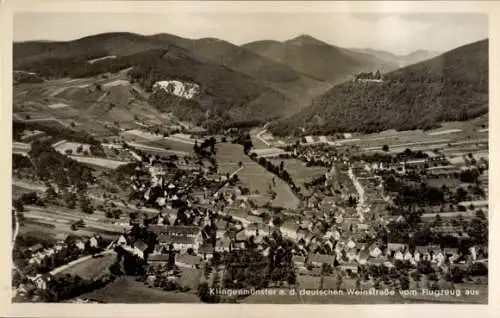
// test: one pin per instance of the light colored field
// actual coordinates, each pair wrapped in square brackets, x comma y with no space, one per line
[444,132]
[58,105]
[116,83]
[126,290]
[158,150]
[100,162]
[142,134]
[268,152]
[170,144]
[254,176]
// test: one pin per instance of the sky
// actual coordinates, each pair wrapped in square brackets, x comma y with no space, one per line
[399,33]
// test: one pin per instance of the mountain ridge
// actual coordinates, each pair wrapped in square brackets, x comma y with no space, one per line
[451,86]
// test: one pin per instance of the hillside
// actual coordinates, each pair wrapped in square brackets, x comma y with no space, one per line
[319,60]
[274,74]
[226,96]
[35,56]
[402,60]
[452,86]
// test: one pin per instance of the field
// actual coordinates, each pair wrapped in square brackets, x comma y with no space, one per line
[255,177]
[92,268]
[298,170]
[171,144]
[127,290]
[99,162]
[54,220]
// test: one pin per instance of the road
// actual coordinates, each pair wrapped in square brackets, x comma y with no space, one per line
[361,193]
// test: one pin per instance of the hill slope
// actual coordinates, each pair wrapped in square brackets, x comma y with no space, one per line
[225,96]
[452,86]
[274,74]
[319,60]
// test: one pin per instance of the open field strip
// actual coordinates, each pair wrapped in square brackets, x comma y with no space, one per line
[156,149]
[100,162]
[444,132]
[142,134]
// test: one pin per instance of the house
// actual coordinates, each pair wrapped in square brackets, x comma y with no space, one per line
[438,258]
[193,261]
[80,244]
[175,230]
[375,251]
[122,240]
[319,259]
[350,244]
[345,266]
[93,242]
[180,242]
[206,250]
[399,256]
[408,257]
[40,282]
[158,259]
[395,247]
[139,248]
[377,261]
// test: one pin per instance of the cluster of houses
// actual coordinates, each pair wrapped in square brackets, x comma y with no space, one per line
[38,253]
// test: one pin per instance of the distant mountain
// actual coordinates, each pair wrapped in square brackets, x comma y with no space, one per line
[451,86]
[274,74]
[401,60]
[319,60]
[225,96]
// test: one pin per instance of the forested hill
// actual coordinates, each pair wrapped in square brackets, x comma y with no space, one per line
[452,86]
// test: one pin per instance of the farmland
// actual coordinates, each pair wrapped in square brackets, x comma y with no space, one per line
[299,172]
[254,176]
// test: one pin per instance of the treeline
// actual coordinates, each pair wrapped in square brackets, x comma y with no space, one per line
[51,165]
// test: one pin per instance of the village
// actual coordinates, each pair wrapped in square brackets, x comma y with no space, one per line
[366,220]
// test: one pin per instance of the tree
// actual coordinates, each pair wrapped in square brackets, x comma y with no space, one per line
[385,148]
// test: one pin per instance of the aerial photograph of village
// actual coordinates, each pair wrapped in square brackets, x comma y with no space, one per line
[226,158]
